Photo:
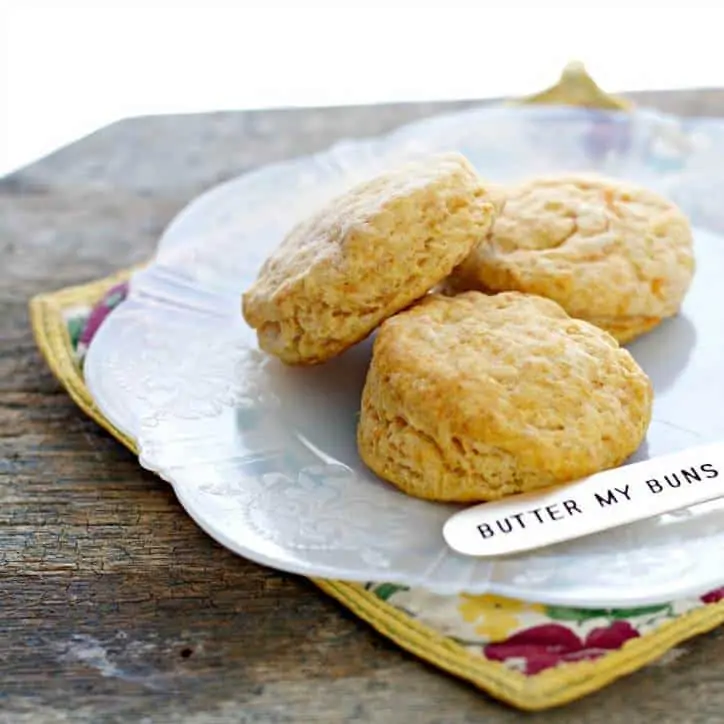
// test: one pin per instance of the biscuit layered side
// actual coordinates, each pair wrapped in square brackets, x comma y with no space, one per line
[366,256]
[610,252]
[476,397]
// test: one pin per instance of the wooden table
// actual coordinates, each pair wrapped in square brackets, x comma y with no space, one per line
[113,605]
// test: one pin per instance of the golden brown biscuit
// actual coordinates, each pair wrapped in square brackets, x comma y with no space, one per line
[609,252]
[365,256]
[476,397]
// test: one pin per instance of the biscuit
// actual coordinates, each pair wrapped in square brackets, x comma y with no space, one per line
[476,397]
[368,254]
[610,252]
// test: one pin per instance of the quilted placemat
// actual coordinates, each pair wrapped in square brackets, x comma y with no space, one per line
[530,655]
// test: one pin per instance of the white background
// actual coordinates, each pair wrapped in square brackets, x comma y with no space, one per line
[65,71]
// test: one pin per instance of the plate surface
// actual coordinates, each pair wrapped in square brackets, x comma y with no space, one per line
[263,457]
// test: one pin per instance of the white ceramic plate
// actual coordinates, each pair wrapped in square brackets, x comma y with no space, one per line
[263,457]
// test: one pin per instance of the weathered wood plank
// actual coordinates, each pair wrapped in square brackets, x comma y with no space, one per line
[113,605]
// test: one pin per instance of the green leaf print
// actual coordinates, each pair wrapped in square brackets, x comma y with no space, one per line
[387,590]
[564,613]
[625,613]
[75,327]
[113,300]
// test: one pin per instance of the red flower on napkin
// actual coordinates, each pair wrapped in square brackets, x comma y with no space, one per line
[713,596]
[543,647]
[111,299]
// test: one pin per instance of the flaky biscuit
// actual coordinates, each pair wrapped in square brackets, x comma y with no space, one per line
[610,252]
[365,256]
[476,397]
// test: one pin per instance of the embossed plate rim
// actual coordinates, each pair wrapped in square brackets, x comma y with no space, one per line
[148,280]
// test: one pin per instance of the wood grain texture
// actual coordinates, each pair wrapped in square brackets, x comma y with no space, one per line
[113,605]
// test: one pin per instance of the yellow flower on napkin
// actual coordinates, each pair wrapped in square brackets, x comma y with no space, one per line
[496,617]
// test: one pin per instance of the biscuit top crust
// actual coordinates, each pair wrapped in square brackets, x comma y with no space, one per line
[367,254]
[338,234]
[516,372]
[600,247]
